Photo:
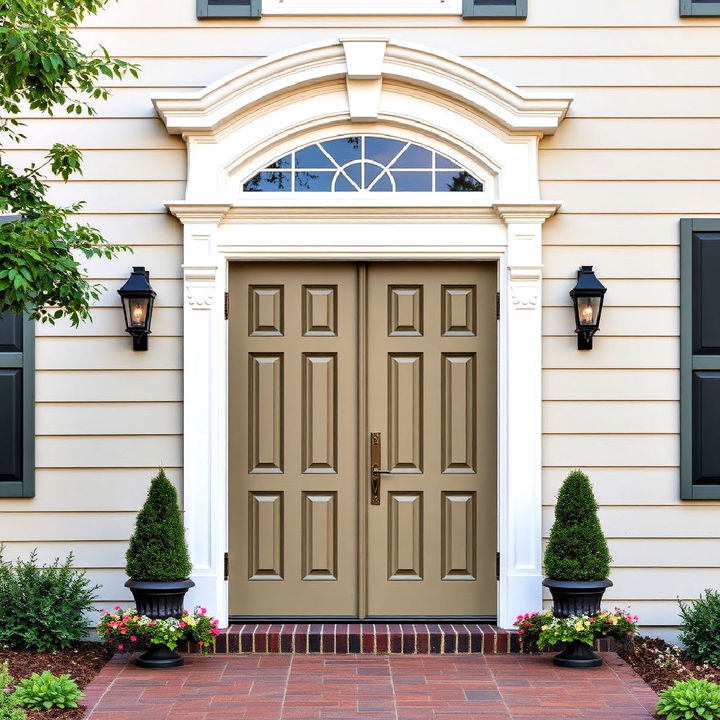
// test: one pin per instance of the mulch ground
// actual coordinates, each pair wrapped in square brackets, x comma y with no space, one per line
[81,662]
[660,664]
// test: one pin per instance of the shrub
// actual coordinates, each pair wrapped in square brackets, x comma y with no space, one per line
[42,692]
[9,709]
[157,549]
[700,628]
[690,700]
[576,549]
[42,607]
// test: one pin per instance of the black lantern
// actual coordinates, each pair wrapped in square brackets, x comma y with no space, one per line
[138,299]
[587,297]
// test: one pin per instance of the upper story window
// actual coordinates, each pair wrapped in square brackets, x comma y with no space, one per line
[467,8]
[699,8]
[363,164]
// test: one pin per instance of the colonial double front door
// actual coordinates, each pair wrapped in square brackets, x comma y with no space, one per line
[339,369]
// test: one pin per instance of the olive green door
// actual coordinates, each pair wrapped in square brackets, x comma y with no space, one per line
[323,358]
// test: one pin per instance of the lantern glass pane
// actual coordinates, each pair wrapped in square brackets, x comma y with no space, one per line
[136,310]
[588,310]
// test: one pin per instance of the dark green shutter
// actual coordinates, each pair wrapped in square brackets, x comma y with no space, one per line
[699,8]
[495,8]
[17,406]
[228,8]
[699,359]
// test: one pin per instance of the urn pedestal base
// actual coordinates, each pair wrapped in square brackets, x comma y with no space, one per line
[577,654]
[159,657]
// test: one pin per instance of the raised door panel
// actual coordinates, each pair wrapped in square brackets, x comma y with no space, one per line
[293,447]
[431,379]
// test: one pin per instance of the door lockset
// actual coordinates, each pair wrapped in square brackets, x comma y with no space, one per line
[375,471]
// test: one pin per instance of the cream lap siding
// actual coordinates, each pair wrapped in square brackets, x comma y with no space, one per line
[638,151]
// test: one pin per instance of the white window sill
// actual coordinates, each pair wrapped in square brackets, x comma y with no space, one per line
[360,7]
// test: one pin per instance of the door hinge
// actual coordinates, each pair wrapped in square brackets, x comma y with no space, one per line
[227,305]
[226,569]
[497,566]
[497,305]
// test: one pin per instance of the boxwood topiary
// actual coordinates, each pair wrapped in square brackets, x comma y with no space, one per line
[158,550]
[577,549]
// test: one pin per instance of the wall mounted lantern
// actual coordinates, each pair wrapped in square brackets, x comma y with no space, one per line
[138,299]
[587,296]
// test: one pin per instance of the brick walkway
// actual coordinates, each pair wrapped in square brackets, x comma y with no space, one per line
[381,687]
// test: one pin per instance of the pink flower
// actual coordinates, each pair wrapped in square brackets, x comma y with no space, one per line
[527,615]
[202,610]
[104,612]
[123,630]
[182,624]
[120,647]
[520,632]
[133,638]
[200,643]
[117,607]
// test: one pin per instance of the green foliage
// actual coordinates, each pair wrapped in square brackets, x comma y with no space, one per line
[42,66]
[9,709]
[577,549]
[42,607]
[42,692]
[700,629]
[157,549]
[690,700]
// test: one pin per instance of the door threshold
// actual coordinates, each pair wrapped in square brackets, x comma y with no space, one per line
[354,620]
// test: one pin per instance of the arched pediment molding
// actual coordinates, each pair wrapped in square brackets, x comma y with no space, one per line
[358,60]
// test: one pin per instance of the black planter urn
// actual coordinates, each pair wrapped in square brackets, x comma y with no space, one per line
[159,601]
[576,597]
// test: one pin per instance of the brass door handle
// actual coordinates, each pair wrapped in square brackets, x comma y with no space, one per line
[375,471]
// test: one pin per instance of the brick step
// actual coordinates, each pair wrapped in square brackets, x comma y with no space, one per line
[371,639]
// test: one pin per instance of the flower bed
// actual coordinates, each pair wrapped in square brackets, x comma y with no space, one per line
[82,662]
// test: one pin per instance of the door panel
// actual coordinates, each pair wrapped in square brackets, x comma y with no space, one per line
[293,439]
[431,542]
[297,472]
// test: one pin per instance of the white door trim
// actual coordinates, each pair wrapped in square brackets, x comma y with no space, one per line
[364,85]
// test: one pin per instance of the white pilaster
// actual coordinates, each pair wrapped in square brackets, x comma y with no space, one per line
[520,502]
[204,409]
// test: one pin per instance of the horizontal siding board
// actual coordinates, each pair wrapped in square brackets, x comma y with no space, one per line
[114,164]
[617,321]
[614,164]
[594,450]
[632,133]
[90,489]
[620,486]
[693,520]
[665,553]
[618,229]
[66,527]
[133,418]
[599,417]
[117,196]
[137,230]
[169,292]
[85,353]
[463,39]
[639,261]
[610,384]
[135,451]
[109,385]
[162,261]
[109,321]
[635,292]
[638,197]
[610,352]
[86,554]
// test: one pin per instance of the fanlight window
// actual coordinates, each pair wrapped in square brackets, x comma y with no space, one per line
[363,164]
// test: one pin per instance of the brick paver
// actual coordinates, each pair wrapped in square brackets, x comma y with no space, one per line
[366,687]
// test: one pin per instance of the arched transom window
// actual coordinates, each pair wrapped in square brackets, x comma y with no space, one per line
[363,164]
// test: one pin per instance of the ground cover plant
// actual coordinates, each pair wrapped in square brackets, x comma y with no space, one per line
[690,700]
[45,691]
